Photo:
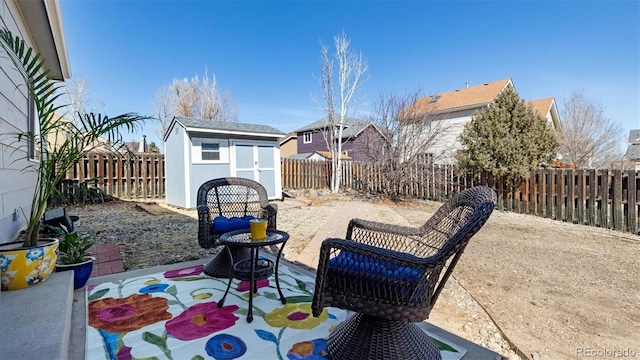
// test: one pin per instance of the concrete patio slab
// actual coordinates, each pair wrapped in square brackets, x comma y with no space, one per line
[36,322]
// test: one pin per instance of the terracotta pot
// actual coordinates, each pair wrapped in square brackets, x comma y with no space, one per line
[23,267]
[81,271]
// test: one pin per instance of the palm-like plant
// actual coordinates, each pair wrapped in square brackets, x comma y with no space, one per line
[71,141]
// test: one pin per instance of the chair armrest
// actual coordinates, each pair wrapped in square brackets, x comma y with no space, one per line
[271,215]
[383,228]
[204,226]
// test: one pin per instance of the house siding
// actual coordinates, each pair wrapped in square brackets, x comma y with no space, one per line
[317,143]
[16,187]
[289,147]
[448,127]
[353,146]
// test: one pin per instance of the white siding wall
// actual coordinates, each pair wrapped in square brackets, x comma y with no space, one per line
[445,144]
[16,187]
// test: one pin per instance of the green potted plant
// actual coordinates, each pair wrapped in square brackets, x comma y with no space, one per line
[59,145]
[73,254]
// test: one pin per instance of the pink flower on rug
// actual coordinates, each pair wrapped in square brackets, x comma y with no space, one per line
[179,273]
[201,320]
[127,314]
[244,285]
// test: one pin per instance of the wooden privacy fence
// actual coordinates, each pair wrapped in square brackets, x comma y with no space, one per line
[137,177]
[603,198]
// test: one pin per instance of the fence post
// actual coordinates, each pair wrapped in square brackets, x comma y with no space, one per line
[593,195]
[604,199]
[560,194]
[571,196]
[632,201]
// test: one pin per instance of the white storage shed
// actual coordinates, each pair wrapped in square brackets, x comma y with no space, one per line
[198,150]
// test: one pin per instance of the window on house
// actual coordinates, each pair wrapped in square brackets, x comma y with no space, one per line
[426,158]
[306,137]
[210,151]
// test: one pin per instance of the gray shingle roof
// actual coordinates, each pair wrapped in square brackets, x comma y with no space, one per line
[301,156]
[352,128]
[228,126]
[633,153]
[634,136]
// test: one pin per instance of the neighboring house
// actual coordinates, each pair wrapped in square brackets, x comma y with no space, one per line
[199,150]
[39,23]
[288,145]
[356,136]
[317,156]
[452,110]
[55,139]
[633,151]
[138,147]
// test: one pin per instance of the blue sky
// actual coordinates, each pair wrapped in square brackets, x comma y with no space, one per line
[267,53]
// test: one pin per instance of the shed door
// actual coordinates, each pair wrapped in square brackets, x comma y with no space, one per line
[257,162]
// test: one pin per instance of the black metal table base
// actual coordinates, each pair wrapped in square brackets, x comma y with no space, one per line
[254,258]
[220,264]
[367,337]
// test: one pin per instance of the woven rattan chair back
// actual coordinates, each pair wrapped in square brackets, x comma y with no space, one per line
[229,197]
[421,260]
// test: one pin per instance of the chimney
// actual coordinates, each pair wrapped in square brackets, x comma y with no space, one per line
[142,147]
[467,84]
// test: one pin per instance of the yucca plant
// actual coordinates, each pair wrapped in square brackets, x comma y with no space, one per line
[72,141]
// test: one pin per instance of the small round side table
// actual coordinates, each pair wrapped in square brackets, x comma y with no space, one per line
[254,268]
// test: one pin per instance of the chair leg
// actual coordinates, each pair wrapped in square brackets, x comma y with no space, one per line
[220,266]
[368,337]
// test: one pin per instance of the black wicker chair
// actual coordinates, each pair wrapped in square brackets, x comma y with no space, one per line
[391,277]
[230,197]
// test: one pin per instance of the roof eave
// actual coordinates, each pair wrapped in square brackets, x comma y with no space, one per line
[44,20]
[462,108]
[231,132]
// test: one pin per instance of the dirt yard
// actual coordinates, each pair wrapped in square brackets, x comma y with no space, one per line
[554,290]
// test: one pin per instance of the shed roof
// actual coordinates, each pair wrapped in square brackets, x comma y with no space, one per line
[225,127]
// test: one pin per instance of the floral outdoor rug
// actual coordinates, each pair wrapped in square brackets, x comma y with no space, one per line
[174,315]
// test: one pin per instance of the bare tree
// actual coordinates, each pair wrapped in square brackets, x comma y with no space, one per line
[162,107]
[75,94]
[198,97]
[338,94]
[186,96]
[589,138]
[408,135]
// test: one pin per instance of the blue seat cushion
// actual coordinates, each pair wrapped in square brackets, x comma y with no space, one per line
[400,280]
[221,224]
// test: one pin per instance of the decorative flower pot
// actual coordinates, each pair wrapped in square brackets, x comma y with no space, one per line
[23,267]
[81,271]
